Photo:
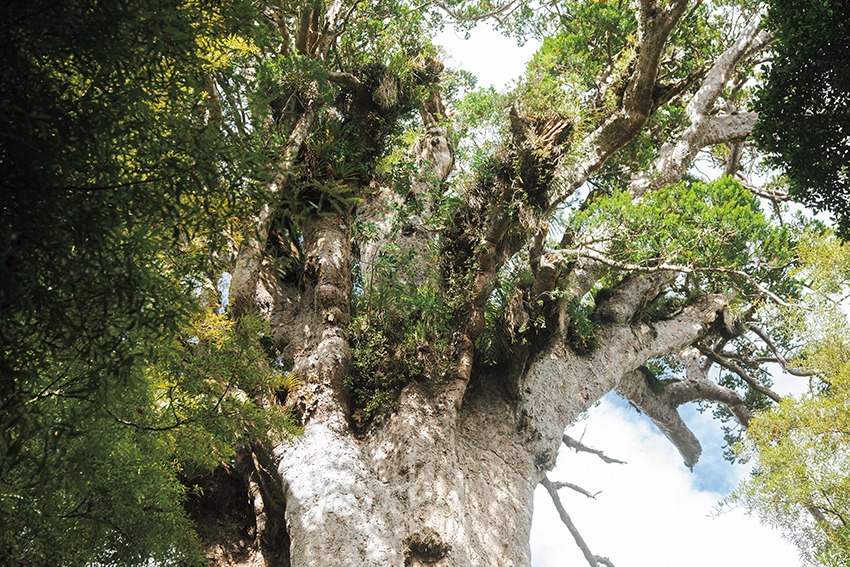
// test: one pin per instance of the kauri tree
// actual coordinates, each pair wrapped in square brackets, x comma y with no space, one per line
[430,286]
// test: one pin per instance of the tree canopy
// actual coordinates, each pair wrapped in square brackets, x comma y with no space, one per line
[414,264]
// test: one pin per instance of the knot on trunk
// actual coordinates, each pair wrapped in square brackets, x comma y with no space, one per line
[424,547]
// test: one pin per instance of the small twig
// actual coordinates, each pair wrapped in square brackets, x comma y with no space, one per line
[176,425]
[593,560]
[495,13]
[781,359]
[578,446]
[625,266]
[110,413]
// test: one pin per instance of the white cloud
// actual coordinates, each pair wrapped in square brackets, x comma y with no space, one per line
[495,59]
[650,512]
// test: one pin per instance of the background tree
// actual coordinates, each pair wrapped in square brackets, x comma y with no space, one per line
[118,185]
[799,447]
[442,340]
[804,104]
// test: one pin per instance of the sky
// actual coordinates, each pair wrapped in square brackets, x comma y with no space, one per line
[651,511]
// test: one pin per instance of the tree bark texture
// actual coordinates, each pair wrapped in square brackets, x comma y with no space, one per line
[446,477]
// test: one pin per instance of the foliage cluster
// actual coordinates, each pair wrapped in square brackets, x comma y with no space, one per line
[804,105]
[582,332]
[400,333]
[103,234]
[119,186]
[593,37]
[98,479]
[710,229]
[799,447]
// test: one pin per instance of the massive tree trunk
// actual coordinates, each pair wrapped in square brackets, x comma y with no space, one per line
[446,476]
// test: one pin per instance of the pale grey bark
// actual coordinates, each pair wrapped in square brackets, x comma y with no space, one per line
[559,385]
[446,478]
[425,469]
[656,20]
[705,129]
[660,402]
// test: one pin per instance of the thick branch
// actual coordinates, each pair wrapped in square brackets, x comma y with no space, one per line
[558,384]
[634,387]
[659,401]
[632,295]
[733,163]
[346,80]
[592,560]
[728,128]
[655,23]
[699,387]
[705,130]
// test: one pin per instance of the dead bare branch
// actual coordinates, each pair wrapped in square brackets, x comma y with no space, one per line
[592,560]
[580,447]
[577,488]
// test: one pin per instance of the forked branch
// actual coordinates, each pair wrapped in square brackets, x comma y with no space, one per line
[592,560]
[659,401]
[779,358]
[729,365]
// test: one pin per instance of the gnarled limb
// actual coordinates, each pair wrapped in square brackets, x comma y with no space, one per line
[681,392]
[705,129]
[656,20]
[660,401]
[558,384]
[633,387]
